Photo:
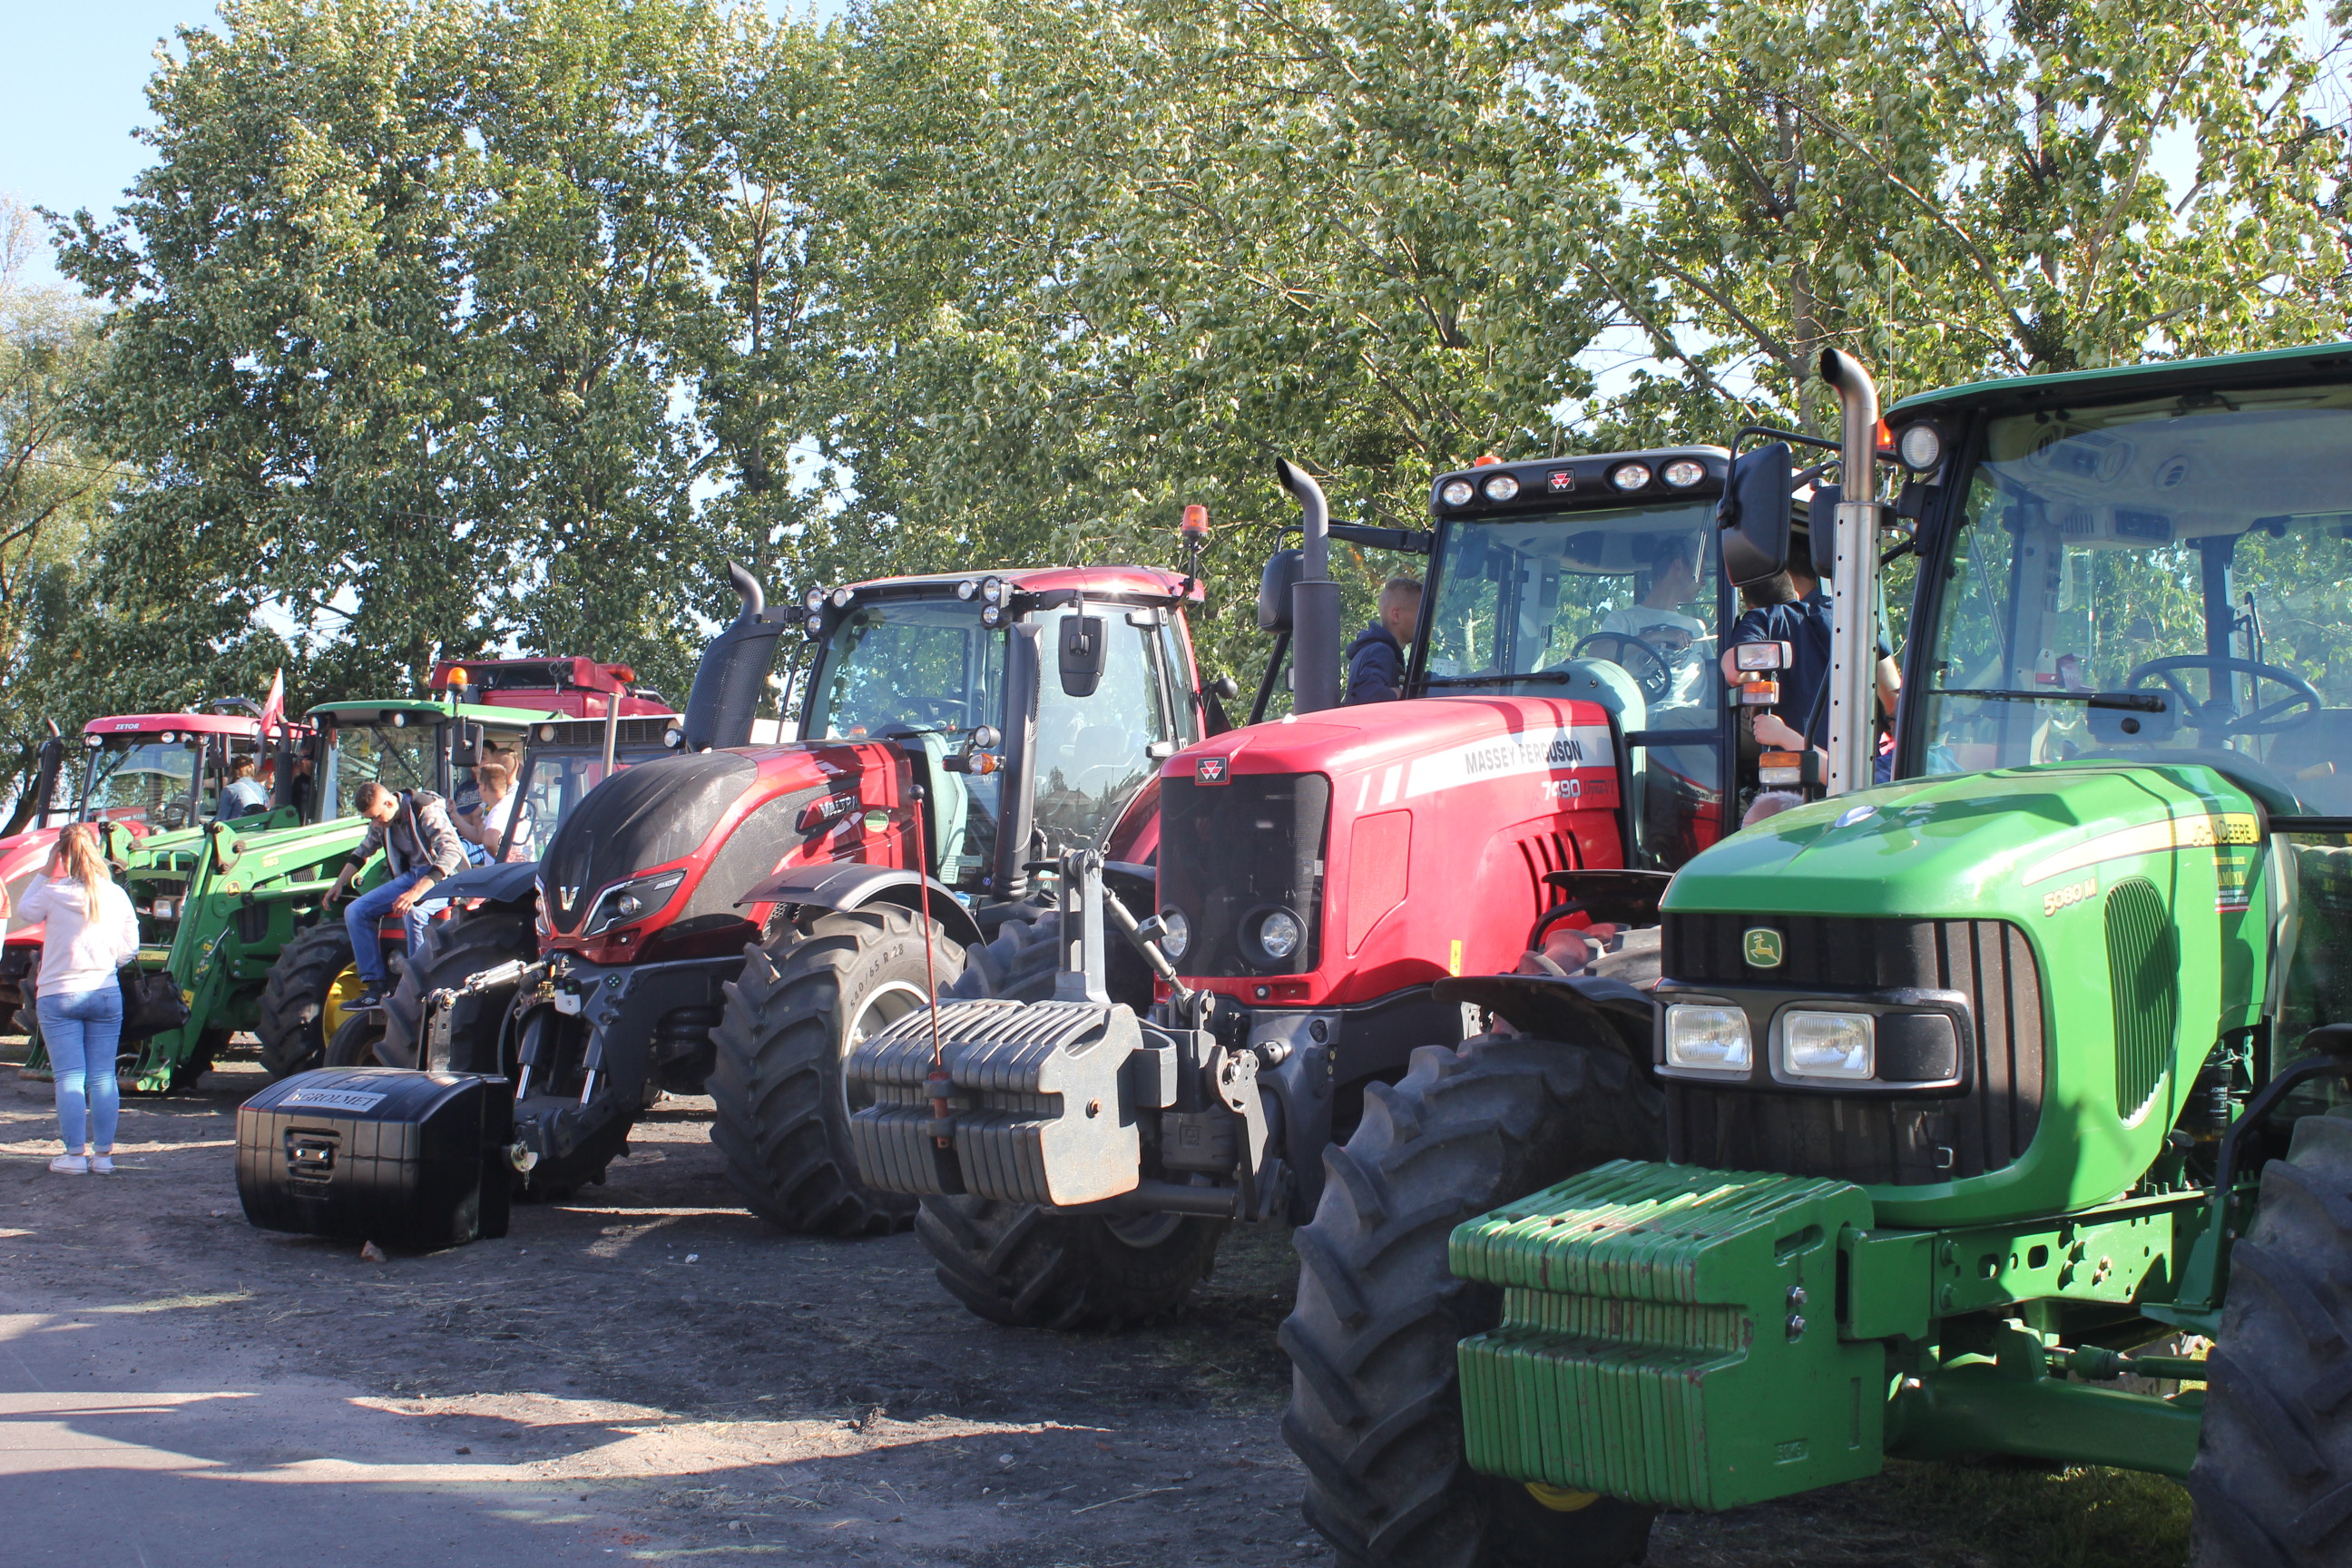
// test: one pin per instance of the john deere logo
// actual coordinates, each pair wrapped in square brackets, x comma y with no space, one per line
[1761,945]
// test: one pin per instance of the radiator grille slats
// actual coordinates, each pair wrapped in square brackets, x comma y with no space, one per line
[1874,1139]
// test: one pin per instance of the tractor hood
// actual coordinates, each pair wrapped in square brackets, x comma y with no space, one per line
[1979,846]
[2092,929]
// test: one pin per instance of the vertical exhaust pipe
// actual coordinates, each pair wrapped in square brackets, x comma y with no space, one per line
[734,668]
[1314,599]
[1854,584]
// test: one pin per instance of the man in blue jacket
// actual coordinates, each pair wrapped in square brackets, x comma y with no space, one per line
[1376,659]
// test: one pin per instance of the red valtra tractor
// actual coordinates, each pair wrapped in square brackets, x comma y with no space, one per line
[956,730]
[1334,889]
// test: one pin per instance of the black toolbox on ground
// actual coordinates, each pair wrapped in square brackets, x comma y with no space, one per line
[405,1159]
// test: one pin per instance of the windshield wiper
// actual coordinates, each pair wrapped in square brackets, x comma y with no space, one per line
[1552,675]
[2131,701]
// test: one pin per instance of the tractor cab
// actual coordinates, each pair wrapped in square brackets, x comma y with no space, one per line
[2160,579]
[163,772]
[1597,578]
[971,672]
[566,758]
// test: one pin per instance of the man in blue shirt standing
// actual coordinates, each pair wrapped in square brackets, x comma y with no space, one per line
[1791,608]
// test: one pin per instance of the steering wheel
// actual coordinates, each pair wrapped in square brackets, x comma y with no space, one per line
[175,812]
[1650,669]
[2299,706]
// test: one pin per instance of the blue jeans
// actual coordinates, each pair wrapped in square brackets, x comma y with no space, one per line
[366,912]
[80,1031]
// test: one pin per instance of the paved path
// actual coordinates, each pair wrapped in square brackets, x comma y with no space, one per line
[121,1445]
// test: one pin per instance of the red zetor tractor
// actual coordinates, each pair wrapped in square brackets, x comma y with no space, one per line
[1079,1148]
[955,730]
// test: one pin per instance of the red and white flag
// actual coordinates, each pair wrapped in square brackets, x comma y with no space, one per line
[273,707]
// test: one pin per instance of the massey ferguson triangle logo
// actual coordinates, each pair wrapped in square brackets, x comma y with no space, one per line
[1760,945]
[1209,770]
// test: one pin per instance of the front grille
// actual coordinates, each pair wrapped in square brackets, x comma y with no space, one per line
[1874,1139]
[1229,853]
[2144,972]
[654,814]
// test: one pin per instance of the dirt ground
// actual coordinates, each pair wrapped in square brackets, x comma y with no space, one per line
[650,1373]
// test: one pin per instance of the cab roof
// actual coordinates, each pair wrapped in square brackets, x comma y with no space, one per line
[2116,384]
[364,712]
[1139,582]
[151,723]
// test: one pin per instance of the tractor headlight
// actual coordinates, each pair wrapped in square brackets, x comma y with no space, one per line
[841,597]
[624,902]
[966,588]
[994,615]
[1279,933]
[1827,1045]
[1630,477]
[991,590]
[1705,1038]
[673,736]
[1502,487]
[1921,447]
[814,600]
[1684,472]
[1175,933]
[1457,492]
[815,626]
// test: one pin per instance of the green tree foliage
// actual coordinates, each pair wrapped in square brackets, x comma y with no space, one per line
[438,324]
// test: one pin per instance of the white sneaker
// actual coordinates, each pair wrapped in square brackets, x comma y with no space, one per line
[71,1164]
[102,1165]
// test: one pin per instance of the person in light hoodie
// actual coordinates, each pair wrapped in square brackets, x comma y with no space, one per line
[91,932]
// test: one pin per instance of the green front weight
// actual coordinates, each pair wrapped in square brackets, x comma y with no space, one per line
[1669,1336]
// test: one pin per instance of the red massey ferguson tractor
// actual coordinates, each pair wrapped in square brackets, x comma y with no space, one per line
[1079,1148]
[956,730]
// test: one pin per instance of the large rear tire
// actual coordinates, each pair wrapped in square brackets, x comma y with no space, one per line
[1017,1265]
[453,952]
[804,1000]
[2273,1481]
[292,1026]
[1376,1409]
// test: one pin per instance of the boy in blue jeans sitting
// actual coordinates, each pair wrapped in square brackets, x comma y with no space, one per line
[420,846]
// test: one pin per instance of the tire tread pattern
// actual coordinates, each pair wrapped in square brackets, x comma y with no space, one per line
[293,1024]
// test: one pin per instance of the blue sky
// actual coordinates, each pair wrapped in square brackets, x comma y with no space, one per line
[72,90]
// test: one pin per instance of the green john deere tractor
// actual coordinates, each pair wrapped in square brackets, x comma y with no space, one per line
[1984,1100]
[237,916]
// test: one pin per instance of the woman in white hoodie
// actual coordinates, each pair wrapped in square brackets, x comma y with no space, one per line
[90,931]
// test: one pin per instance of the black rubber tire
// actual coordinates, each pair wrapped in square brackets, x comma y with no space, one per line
[783,1122]
[292,1026]
[453,952]
[7,1018]
[1015,1264]
[1375,1408]
[2273,1482]
[358,1044]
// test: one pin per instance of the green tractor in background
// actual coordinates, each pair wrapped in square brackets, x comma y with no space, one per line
[1982,1100]
[237,916]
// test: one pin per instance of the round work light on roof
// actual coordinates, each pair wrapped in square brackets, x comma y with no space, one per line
[1630,477]
[1921,447]
[1684,472]
[813,599]
[1502,487]
[841,597]
[1457,492]
[967,589]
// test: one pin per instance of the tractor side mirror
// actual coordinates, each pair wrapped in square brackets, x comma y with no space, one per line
[1085,650]
[466,750]
[1821,527]
[1283,570]
[1754,515]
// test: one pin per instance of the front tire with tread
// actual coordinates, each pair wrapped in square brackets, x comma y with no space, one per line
[783,1122]
[453,952]
[292,1026]
[2273,1481]
[1018,1265]
[1376,1410]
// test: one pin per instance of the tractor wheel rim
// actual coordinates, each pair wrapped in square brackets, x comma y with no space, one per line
[876,1011]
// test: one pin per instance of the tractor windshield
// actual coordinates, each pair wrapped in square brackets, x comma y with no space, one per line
[148,779]
[398,756]
[554,780]
[1530,604]
[2162,581]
